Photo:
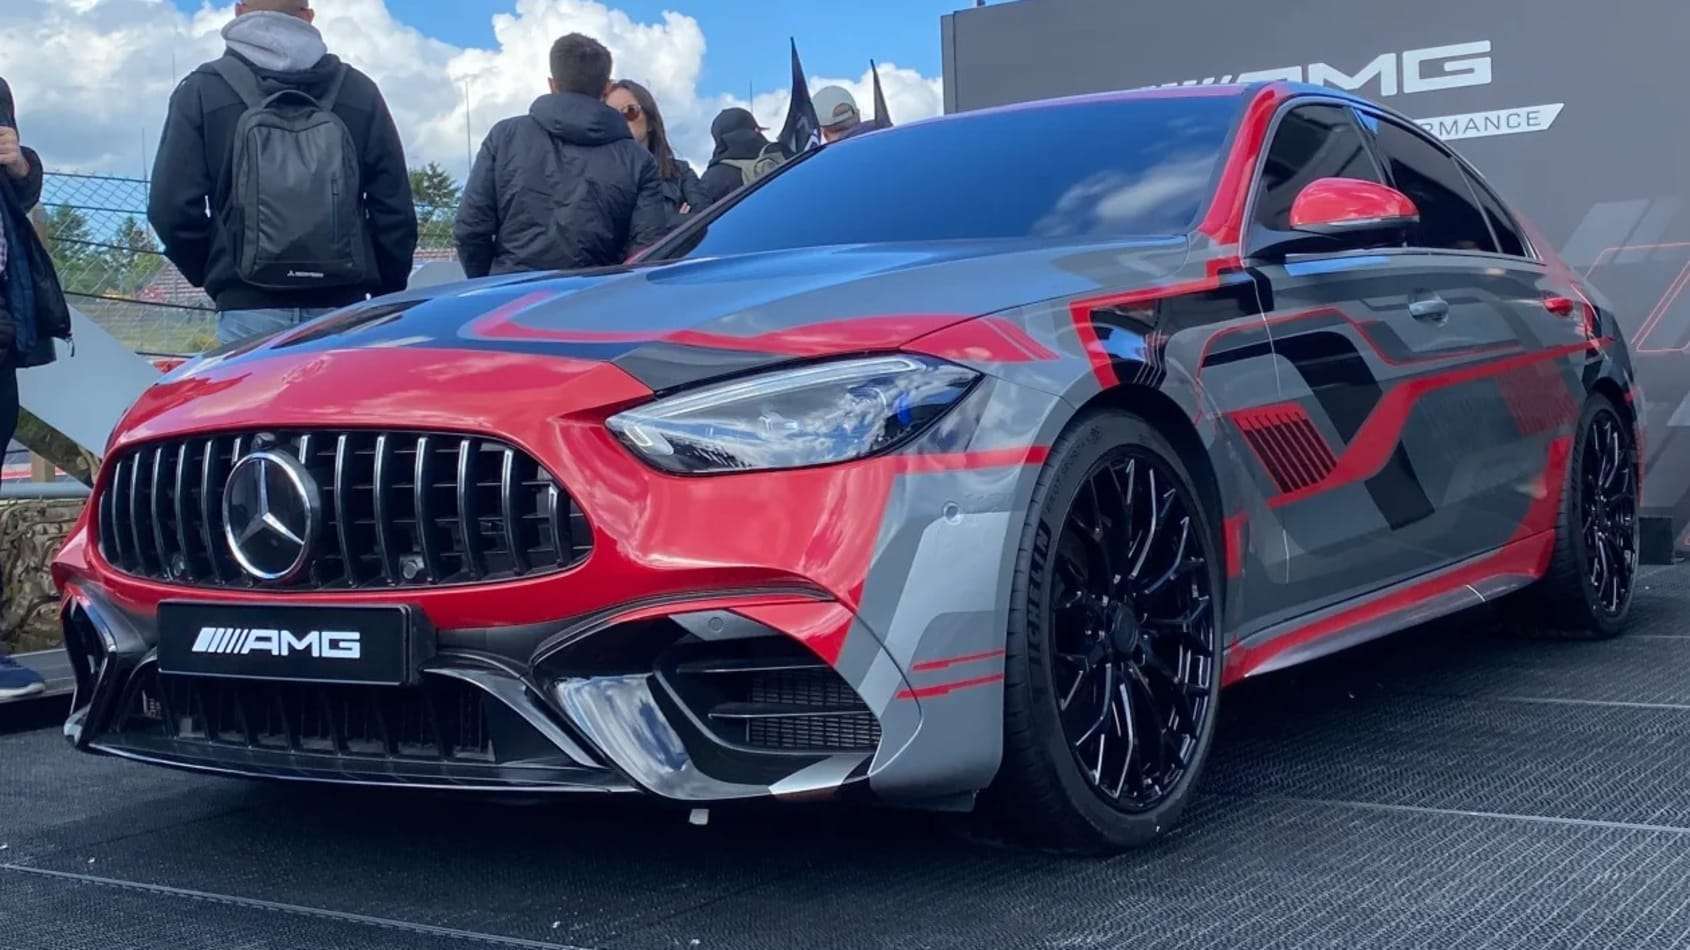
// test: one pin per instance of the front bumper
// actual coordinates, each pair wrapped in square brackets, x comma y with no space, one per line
[693,701]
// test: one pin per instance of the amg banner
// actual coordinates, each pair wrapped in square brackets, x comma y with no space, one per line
[1556,101]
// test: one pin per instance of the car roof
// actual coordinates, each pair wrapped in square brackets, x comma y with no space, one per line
[1193,91]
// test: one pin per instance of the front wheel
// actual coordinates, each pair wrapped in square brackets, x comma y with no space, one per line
[1113,660]
[1587,590]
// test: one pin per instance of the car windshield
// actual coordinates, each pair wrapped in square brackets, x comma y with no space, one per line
[1082,170]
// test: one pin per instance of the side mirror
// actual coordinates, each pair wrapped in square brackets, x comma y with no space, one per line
[1339,207]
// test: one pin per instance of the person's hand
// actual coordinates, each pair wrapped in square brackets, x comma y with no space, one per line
[11,154]
[686,208]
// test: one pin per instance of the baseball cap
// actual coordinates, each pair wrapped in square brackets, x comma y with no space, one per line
[835,107]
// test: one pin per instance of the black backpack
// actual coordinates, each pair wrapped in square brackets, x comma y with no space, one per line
[295,207]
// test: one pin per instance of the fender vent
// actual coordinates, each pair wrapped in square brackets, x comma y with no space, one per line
[1288,444]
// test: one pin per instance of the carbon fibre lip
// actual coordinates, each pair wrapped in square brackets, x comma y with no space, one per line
[264,764]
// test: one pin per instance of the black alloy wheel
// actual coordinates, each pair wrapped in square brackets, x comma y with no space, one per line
[1132,630]
[1608,511]
[1586,591]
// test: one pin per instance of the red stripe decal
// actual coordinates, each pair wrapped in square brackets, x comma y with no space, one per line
[1224,221]
[987,340]
[814,339]
[1234,539]
[1525,554]
[923,692]
[927,666]
[1377,438]
[1081,311]
[957,461]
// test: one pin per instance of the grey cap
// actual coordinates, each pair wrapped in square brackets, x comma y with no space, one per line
[835,107]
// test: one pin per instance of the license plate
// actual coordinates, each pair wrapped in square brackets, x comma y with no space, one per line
[375,645]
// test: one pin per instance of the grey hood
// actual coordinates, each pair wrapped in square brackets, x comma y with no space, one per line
[276,41]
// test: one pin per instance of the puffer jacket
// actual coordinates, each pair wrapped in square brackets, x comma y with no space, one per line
[561,188]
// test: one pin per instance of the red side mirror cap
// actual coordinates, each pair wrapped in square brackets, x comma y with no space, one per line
[1344,205]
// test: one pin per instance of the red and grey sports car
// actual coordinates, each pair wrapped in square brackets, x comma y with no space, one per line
[962,464]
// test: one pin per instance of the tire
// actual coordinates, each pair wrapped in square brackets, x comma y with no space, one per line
[1042,795]
[1569,602]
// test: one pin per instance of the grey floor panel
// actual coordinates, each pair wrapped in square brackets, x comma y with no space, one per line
[59,916]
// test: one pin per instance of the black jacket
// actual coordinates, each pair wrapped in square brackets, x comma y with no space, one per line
[51,314]
[560,188]
[682,191]
[193,167]
[721,179]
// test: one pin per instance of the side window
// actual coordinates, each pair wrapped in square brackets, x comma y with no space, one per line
[1311,142]
[1449,218]
[1502,223]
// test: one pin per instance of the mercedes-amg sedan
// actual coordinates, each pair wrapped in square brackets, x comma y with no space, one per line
[957,465]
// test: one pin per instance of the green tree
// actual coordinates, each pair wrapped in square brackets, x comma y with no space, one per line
[134,258]
[436,195]
[66,236]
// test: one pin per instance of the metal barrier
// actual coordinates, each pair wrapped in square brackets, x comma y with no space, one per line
[112,268]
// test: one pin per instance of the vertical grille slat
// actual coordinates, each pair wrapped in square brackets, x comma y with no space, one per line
[135,511]
[179,502]
[160,514]
[154,496]
[384,529]
[342,511]
[468,522]
[513,522]
[421,490]
[211,490]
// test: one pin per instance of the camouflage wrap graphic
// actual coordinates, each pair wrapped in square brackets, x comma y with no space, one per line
[842,629]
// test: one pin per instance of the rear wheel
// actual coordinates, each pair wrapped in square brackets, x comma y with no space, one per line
[1587,590]
[1113,666]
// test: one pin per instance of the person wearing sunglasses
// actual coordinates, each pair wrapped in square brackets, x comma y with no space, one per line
[682,192]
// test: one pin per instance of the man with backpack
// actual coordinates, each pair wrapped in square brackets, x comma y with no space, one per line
[742,154]
[280,184]
[565,186]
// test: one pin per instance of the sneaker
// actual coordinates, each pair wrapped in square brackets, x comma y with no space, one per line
[18,681]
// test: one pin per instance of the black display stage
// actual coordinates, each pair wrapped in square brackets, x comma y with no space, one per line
[1445,788]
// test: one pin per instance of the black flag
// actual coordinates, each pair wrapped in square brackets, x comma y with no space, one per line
[882,117]
[802,131]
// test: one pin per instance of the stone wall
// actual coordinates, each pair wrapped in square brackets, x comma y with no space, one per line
[30,535]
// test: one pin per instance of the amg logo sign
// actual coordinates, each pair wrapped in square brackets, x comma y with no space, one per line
[1388,74]
[244,641]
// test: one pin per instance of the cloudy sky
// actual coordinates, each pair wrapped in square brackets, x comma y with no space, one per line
[92,77]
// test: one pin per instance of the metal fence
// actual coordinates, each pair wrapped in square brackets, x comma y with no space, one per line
[112,267]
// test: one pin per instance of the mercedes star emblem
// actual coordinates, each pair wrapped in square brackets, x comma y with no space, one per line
[271,510]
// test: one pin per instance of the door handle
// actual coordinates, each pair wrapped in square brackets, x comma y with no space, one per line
[1434,309]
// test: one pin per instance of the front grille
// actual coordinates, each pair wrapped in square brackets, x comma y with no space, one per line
[771,694]
[400,509]
[444,720]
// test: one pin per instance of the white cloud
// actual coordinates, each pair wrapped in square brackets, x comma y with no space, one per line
[93,77]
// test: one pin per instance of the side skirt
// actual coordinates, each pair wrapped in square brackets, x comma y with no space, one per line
[1452,589]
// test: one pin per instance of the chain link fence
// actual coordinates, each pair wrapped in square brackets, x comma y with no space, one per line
[113,268]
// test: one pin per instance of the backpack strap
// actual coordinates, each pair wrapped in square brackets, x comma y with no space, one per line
[240,78]
[333,95]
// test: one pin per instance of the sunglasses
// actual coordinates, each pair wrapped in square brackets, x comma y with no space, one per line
[631,112]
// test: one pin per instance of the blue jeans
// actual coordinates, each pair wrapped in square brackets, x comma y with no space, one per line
[234,326]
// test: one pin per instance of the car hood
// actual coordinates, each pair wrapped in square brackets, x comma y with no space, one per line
[439,351]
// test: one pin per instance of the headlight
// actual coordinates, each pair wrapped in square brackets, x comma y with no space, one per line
[813,415]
